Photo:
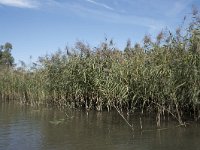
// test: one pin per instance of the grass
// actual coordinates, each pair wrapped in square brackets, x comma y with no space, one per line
[160,77]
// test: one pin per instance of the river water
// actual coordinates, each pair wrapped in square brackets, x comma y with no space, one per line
[29,128]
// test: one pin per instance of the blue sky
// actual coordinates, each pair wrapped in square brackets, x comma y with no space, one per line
[39,27]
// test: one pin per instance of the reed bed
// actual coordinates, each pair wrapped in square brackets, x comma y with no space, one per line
[160,77]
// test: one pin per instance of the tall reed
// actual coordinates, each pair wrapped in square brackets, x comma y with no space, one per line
[161,77]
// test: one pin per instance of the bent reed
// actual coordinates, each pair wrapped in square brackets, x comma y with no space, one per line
[161,77]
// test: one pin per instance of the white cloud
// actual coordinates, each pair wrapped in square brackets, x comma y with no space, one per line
[52,3]
[114,16]
[117,17]
[20,3]
[100,4]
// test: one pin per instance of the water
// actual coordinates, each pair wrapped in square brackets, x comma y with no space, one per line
[46,129]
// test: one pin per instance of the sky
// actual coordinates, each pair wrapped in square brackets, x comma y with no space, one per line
[39,27]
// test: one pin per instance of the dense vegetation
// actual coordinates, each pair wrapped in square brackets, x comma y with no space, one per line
[6,59]
[161,77]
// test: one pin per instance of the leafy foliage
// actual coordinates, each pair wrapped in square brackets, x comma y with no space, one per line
[6,59]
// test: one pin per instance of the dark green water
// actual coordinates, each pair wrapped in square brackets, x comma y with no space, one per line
[25,128]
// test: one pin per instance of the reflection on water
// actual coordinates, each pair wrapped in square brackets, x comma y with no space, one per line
[22,127]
